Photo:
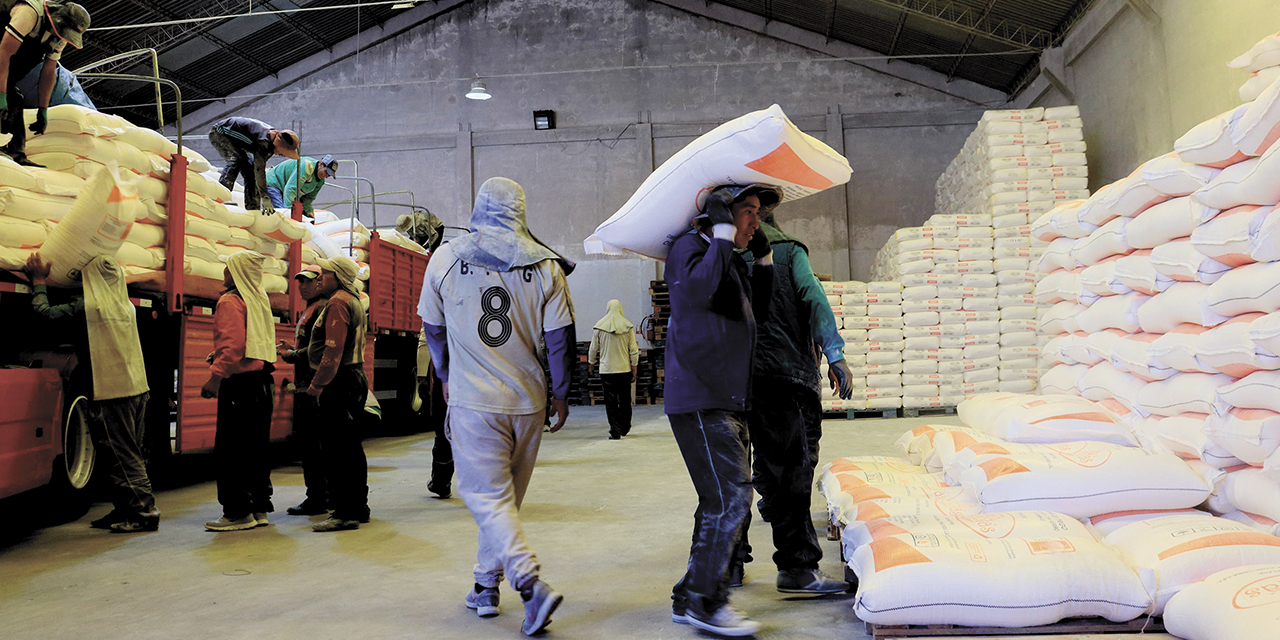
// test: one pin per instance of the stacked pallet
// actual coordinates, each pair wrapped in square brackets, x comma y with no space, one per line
[655,330]
[650,373]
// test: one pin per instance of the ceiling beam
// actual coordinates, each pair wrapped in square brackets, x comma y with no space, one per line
[831,26]
[205,34]
[897,33]
[968,20]
[968,42]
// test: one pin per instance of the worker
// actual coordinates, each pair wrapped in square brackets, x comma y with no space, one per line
[35,33]
[422,227]
[340,388]
[240,378]
[614,349]
[305,415]
[246,145]
[785,420]
[284,187]
[487,297]
[715,300]
[117,414]
[430,387]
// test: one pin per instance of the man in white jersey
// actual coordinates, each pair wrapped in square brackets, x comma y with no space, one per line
[487,299]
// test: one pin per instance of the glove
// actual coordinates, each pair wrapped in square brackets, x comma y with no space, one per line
[759,245]
[41,123]
[718,209]
[842,378]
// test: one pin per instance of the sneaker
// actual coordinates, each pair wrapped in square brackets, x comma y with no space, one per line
[810,581]
[679,610]
[737,573]
[614,436]
[227,524]
[308,507]
[540,601]
[484,601]
[441,489]
[726,621]
[111,518]
[137,524]
[335,524]
[260,520]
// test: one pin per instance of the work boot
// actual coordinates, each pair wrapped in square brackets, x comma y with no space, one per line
[113,517]
[540,601]
[726,621]
[232,524]
[441,479]
[308,507]
[810,581]
[260,520]
[137,524]
[335,524]
[737,573]
[483,600]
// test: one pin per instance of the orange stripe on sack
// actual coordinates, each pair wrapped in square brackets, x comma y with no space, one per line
[850,483]
[1090,416]
[997,467]
[893,552]
[867,493]
[1234,539]
[116,195]
[845,467]
[962,440]
[987,448]
[919,431]
[868,511]
[878,529]
[784,164]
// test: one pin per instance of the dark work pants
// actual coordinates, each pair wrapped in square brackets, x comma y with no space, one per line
[441,449]
[17,144]
[245,405]
[341,447]
[239,162]
[785,423]
[306,435]
[118,427]
[617,402]
[714,445]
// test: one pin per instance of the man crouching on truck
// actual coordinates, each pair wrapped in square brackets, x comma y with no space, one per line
[120,392]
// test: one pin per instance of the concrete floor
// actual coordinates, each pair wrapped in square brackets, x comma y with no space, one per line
[610,521]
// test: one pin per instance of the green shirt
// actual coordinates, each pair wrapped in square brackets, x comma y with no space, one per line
[282,177]
[40,302]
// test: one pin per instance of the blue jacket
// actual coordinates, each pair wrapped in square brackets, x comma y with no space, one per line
[711,336]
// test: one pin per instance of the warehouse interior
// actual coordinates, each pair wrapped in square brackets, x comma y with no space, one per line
[586,105]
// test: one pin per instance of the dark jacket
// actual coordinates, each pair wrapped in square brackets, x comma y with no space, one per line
[799,317]
[254,136]
[712,332]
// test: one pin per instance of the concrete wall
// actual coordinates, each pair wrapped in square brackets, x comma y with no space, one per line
[1143,80]
[632,82]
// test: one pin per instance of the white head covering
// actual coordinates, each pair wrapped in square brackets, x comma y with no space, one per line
[118,368]
[260,332]
[613,320]
[500,238]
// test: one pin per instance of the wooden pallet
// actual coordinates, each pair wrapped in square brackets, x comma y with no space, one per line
[1083,626]
[928,411]
[860,415]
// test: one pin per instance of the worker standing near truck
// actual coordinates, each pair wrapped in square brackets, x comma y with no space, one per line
[117,414]
[246,145]
[240,378]
[305,415]
[35,33]
[285,185]
[340,389]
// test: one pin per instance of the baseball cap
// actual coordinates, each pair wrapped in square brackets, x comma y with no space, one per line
[69,21]
[309,272]
[329,163]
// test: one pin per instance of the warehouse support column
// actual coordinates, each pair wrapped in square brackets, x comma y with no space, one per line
[840,235]
[466,170]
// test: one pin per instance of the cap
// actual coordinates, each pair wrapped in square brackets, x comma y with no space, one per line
[329,163]
[289,141]
[69,21]
[309,272]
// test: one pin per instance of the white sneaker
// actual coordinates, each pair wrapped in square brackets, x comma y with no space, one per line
[225,524]
[260,520]
[726,621]
[484,603]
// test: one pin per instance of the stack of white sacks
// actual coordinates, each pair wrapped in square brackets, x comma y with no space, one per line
[1042,508]
[1165,297]
[871,316]
[1262,62]
[80,142]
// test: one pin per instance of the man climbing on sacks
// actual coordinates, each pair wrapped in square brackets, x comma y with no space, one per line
[340,388]
[715,300]
[120,390]
[284,186]
[35,33]
[785,420]
[487,299]
[246,145]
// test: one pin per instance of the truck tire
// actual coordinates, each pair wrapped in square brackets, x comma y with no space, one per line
[70,492]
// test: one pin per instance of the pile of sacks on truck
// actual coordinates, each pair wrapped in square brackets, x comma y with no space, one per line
[1043,508]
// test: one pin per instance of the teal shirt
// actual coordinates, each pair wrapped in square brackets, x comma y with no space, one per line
[305,190]
[40,303]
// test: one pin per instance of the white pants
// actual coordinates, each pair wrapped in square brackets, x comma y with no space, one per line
[494,454]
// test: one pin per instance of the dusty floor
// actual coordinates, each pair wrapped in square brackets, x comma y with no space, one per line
[610,521]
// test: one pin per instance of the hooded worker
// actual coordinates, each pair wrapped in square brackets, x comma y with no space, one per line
[614,348]
[286,185]
[35,33]
[340,388]
[244,351]
[785,418]
[487,299]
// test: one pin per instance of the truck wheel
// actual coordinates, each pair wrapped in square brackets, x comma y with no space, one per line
[69,494]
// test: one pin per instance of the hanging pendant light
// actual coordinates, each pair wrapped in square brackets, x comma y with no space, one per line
[478,91]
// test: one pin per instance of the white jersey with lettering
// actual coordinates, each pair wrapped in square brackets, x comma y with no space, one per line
[495,321]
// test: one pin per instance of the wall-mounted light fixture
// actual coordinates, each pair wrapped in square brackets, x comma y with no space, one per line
[545,119]
[478,91]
